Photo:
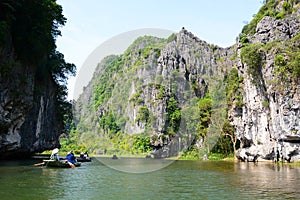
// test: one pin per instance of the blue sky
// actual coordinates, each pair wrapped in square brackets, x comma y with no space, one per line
[92,22]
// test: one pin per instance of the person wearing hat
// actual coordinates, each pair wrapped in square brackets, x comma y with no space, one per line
[54,155]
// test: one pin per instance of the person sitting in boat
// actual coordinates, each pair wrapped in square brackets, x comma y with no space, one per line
[71,158]
[82,155]
[54,154]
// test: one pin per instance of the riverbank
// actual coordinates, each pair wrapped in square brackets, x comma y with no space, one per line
[211,157]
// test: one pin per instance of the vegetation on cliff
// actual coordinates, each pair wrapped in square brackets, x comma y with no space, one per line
[103,126]
[269,9]
[131,112]
[116,75]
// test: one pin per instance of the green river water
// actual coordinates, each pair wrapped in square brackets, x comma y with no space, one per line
[176,180]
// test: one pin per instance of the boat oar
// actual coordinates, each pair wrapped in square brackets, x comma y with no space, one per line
[72,165]
[39,164]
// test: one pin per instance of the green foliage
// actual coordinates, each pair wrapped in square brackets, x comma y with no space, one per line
[141,144]
[244,39]
[153,49]
[32,27]
[108,123]
[280,15]
[265,103]
[287,66]
[268,9]
[224,146]
[110,94]
[191,153]
[105,84]
[161,93]
[143,113]
[215,156]
[213,47]
[59,68]
[252,55]
[6,66]
[143,46]
[173,115]
[7,16]
[287,7]
[35,25]
[205,106]
[136,98]
[70,143]
[287,59]
[280,60]
[172,37]
[3,31]
[234,90]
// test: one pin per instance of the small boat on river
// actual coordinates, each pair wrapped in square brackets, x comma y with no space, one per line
[61,164]
[83,159]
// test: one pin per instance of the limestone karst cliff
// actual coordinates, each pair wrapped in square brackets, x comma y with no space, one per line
[33,75]
[268,124]
[151,94]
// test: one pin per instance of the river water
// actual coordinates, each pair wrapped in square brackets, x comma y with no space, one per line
[176,180]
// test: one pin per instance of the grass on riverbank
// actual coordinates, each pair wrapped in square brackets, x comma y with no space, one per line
[211,156]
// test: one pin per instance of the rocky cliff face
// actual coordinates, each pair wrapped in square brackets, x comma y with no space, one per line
[269,123]
[151,91]
[33,74]
[154,90]
[28,118]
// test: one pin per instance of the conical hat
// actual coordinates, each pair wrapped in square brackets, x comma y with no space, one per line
[54,151]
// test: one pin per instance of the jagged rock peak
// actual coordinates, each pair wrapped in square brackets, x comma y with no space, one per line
[184,33]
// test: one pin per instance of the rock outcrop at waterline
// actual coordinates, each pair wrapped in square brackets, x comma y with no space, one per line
[271,111]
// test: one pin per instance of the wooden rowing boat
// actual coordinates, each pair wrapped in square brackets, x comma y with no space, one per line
[84,159]
[61,164]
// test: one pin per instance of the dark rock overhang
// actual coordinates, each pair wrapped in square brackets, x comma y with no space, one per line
[290,138]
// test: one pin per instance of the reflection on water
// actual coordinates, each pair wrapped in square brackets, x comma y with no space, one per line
[179,180]
[268,179]
[135,165]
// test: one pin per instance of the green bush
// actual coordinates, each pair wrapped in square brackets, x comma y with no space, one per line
[141,144]
[287,67]
[108,123]
[105,84]
[268,9]
[143,113]
[287,7]
[252,55]
[280,15]
[205,106]
[265,103]
[244,39]
[174,114]
[234,90]
[161,93]
[172,37]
